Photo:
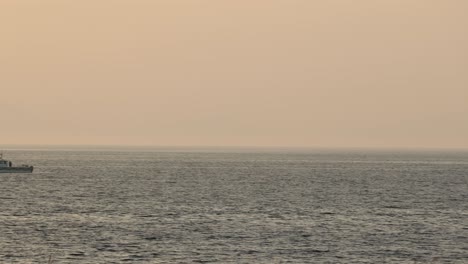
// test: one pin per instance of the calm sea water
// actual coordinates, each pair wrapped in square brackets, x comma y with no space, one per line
[233,207]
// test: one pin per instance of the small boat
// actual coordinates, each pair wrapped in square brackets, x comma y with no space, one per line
[6,166]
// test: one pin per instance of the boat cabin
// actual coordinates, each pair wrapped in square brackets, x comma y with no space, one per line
[4,163]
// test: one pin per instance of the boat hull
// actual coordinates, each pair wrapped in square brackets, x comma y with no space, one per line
[26,169]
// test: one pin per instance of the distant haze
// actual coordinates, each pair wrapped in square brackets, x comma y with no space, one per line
[329,73]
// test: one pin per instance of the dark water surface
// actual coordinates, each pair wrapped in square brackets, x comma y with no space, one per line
[227,207]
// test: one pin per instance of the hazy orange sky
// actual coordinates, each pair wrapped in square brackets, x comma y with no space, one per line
[328,73]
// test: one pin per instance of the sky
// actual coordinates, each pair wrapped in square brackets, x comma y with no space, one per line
[297,73]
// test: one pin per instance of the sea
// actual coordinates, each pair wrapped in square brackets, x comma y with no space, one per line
[214,205]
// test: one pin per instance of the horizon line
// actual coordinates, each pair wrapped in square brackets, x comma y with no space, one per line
[233,147]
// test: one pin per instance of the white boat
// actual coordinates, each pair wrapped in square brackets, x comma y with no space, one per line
[6,166]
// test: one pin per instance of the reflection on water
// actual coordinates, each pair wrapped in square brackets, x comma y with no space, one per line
[227,207]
